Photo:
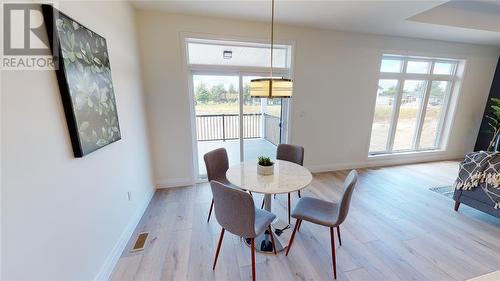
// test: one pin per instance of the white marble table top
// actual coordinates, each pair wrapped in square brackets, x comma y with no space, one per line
[287,177]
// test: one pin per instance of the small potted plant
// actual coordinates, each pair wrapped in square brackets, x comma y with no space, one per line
[265,166]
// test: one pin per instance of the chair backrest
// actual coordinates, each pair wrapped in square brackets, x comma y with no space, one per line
[217,163]
[345,201]
[234,210]
[290,152]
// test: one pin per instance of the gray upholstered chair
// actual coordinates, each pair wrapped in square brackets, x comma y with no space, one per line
[217,163]
[235,211]
[291,153]
[325,213]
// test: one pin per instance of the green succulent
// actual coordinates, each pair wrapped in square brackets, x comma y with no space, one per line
[265,161]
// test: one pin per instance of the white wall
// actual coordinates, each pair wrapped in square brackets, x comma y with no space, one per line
[64,218]
[335,80]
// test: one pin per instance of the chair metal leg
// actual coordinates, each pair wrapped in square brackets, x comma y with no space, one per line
[300,223]
[218,247]
[272,238]
[210,212]
[333,254]
[263,201]
[299,194]
[289,208]
[338,234]
[457,205]
[297,223]
[253,258]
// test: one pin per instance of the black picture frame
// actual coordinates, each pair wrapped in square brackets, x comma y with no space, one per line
[83,71]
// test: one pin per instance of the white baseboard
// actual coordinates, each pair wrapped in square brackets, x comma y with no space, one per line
[388,160]
[113,257]
[376,161]
[174,182]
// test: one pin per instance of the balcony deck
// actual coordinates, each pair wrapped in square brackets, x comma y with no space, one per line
[253,148]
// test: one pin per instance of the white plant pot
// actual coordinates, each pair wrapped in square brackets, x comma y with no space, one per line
[265,170]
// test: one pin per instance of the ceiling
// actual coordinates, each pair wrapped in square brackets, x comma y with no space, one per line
[459,21]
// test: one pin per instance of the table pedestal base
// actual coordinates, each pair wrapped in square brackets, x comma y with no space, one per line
[263,242]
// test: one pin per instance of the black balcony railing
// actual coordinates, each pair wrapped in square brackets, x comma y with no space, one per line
[223,127]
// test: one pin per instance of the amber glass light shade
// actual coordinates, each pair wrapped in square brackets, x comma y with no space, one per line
[271,88]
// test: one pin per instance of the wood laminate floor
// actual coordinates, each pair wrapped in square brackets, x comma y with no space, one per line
[397,229]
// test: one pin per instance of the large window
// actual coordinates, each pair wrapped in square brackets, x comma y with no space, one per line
[412,103]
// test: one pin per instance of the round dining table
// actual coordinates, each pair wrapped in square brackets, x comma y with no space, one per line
[287,177]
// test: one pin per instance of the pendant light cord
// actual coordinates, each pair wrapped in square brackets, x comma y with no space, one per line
[272,37]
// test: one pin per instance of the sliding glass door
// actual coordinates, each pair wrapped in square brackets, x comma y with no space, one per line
[262,123]
[217,115]
[226,116]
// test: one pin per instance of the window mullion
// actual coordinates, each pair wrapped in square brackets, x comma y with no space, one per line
[421,115]
[241,114]
[395,116]
[444,114]
[423,110]
[395,112]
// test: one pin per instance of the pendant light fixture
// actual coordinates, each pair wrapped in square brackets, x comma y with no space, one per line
[271,87]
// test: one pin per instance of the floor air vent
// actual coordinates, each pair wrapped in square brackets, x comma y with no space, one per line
[140,242]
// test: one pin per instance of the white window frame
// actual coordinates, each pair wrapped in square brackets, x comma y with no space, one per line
[255,69]
[429,78]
